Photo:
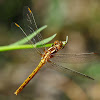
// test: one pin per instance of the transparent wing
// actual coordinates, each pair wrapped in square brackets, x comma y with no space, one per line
[30,27]
[67,70]
[30,24]
[75,57]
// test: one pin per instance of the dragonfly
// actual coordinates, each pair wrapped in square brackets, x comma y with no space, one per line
[48,54]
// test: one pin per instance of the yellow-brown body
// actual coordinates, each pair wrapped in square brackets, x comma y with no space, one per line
[45,57]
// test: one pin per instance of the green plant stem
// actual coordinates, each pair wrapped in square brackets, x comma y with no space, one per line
[7,48]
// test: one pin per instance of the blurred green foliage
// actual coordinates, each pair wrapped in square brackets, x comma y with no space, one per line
[78,19]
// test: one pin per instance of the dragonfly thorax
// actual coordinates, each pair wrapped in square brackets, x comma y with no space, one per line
[49,53]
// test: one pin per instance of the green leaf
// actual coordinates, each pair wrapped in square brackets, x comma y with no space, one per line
[29,37]
[45,40]
[16,47]
[37,45]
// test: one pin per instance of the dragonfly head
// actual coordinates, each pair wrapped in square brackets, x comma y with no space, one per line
[65,42]
[61,44]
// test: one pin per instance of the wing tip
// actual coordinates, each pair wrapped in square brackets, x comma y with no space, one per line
[29,10]
[17,25]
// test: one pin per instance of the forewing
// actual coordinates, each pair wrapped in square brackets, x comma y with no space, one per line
[30,24]
[75,57]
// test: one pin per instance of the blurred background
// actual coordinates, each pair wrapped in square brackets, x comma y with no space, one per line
[77,19]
